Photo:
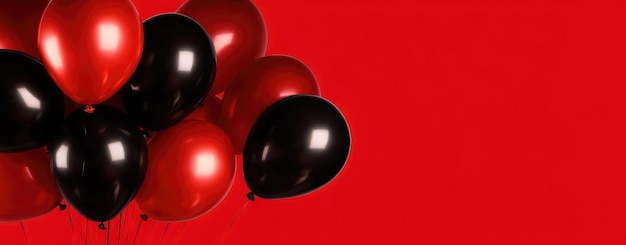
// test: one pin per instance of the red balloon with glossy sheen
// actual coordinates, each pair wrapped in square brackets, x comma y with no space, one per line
[208,112]
[19,22]
[191,169]
[90,47]
[263,83]
[27,187]
[238,31]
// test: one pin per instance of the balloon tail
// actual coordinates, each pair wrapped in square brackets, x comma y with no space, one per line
[89,109]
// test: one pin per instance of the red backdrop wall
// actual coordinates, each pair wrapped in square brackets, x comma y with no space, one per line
[472,122]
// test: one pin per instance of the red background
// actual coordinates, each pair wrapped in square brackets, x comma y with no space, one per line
[472,122]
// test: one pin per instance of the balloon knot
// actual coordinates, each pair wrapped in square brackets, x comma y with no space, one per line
[101,226]
[89,109]
[145,132]
[62,206]
[250,196]
[143,217]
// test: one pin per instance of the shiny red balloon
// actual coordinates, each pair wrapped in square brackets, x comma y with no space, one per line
[19,22]
[27,187]
[90,47]
[264,82]
[191,169]
[238,31]
[208,111]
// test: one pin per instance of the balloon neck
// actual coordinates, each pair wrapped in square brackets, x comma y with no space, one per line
[62,206]
[101,226]
[143,217]
[89,109]
[250,196]
[145,133]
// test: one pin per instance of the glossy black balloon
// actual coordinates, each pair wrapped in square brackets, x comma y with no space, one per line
[174,75]
[99,161]
[298,145]
[31,105]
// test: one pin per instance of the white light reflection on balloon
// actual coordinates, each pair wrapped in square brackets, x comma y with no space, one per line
[205,165]
[221,41]
[29,99]
[61,157]
[185,60]
[108,37]
[265,151]
[287,93]
[116,150]
[319,139]
[51,46]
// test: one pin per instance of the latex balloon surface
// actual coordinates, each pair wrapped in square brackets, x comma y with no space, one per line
[192,168]
[19,24]
[238,31]
[261,84]
[31,105]
[297,146]
[27,188]
[99,161]
[90,47]
[175,73]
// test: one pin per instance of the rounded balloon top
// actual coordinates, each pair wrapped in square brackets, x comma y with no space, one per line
[298,145]
[90,47]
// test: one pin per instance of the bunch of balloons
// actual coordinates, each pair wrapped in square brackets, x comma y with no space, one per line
[158,110]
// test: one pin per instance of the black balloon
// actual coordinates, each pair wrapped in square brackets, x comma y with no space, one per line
[297,145]
[174,75]
[99,161]
[31,105]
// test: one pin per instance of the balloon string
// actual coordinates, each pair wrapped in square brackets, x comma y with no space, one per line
[87,232]
[119,228]
[137,232]
[127,217]
[69,214]
[238,215]
[23,230]
[165,230]
[108,231]
[180,231]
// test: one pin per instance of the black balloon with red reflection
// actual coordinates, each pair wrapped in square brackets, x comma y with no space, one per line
[174,75]
[99,161]
[298,145]
[31,105]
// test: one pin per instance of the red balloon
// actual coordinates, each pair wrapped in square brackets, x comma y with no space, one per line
[191,169]
[19,22]
[208,112]
[27,187]
[260,85]
[238,32]
[90,47]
